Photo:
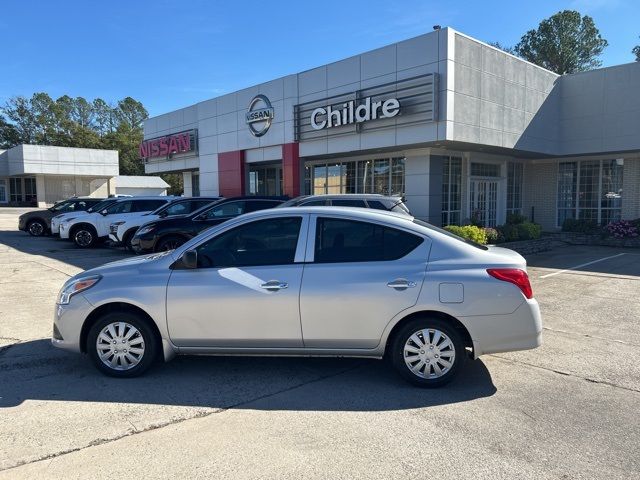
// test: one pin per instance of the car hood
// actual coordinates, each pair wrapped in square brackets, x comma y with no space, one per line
[127,264]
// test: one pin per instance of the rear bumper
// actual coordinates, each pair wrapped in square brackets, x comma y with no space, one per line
[520,330]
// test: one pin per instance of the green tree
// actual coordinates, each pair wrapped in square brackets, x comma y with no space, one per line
[563,43]
[504,48]
[636,52]
[9,136]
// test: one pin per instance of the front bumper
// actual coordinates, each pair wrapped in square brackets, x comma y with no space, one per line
[520,330]
[68,320]
[142,245]
[64,230]
[22,224]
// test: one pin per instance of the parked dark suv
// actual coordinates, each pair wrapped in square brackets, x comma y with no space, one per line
[38,222]
[169,233]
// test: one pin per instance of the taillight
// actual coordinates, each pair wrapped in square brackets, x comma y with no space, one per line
[513,275]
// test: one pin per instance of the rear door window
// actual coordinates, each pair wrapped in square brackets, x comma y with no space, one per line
[341,240]
[147,205]
[230,209]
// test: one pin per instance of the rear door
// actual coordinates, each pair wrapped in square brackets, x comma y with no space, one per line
[358,275]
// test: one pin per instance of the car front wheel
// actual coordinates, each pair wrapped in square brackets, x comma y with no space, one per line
[85,236]
[428,352]
[170,242]
[121,344]
[36,228]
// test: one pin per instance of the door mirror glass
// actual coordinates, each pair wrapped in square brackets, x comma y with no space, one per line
[104,212]
[163,214]
[190,259]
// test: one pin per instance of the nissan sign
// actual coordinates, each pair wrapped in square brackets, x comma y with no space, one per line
[327,117]
[168,145]
[259,115]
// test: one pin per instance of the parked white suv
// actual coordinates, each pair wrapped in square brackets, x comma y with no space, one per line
[68,216]
[87,230]
[121,231]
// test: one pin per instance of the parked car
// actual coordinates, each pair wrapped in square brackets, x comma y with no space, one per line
[364,200]
[87,230]
[38,222]
[121,232]
[306,281]
[169,233]
[61,217]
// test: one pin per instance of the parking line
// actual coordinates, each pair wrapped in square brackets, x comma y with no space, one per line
[581,265]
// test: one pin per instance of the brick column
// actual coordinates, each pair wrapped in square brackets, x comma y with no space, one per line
[291,169]
[231,173]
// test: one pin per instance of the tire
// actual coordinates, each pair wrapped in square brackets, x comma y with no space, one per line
[84,236]
[115,326]
[169,243]
[36,228]
[427,357]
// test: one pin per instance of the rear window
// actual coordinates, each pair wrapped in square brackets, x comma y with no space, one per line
[339,240]
[449,234]
[389,206]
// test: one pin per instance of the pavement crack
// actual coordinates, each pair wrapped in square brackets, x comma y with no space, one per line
[591,336]
[197,415]
[567,374]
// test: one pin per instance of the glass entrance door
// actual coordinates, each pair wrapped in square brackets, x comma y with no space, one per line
[483,196]
[3,192]
[265,180]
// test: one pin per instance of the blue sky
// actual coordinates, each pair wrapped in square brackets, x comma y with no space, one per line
[169,54]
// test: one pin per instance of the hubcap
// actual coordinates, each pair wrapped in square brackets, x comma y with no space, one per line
[36,229]
[429,353]
[120,346]
[84,238]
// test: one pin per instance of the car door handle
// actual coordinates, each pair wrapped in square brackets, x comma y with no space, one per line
[273,285]
[401,284]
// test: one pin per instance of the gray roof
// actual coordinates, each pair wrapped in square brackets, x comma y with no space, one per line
[140,181]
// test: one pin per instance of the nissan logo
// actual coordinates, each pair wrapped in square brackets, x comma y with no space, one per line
[259,115]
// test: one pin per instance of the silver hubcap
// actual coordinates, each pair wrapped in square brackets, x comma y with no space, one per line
[83,238]
[429,353]
[120,346]
[36,229]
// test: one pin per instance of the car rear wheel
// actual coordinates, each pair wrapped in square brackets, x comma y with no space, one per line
[428,352]
[36,228]
[126,241]
[121,344]
[169,243]
[85,236]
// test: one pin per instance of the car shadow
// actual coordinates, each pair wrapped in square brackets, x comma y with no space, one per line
[35,370]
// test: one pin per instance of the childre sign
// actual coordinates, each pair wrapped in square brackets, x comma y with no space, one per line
[328,117]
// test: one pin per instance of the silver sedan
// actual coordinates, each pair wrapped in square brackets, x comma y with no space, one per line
[306,281]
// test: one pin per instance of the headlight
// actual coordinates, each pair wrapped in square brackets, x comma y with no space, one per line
[67,220]
[145,230]
[76,286]
[116,224]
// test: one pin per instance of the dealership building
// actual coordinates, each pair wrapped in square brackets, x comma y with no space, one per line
[40,175]
[463,130]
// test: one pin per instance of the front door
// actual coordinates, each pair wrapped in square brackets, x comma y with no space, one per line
[245,290]
[360,276]
[483,196]
[265,180]
[3,192]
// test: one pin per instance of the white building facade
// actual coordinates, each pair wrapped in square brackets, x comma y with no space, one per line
[461,129]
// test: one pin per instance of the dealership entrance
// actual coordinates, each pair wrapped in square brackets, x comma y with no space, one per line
[265,179]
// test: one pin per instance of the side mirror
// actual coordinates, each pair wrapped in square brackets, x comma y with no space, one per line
[103,212]
[190,259]
[163,214]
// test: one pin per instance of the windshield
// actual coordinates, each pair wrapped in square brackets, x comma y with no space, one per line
[100,205]
[62,206]
[449,234]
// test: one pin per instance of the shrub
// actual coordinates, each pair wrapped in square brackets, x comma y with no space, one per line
[508,233]
[492,235]
[519,231]
[579,225]
[470,232]
[515,219]
[622,229]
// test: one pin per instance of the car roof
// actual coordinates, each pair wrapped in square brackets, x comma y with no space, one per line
[373,196]
[143,197]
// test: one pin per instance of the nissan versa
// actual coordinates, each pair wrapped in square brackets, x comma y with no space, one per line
[306,281]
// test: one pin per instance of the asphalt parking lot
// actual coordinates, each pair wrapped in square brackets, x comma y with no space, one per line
[566,410]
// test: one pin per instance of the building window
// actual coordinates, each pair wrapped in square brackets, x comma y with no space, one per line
[451,190]
[384,176]
[514,188]
[15,189]
[30,189]
[485,170]
[590,190]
